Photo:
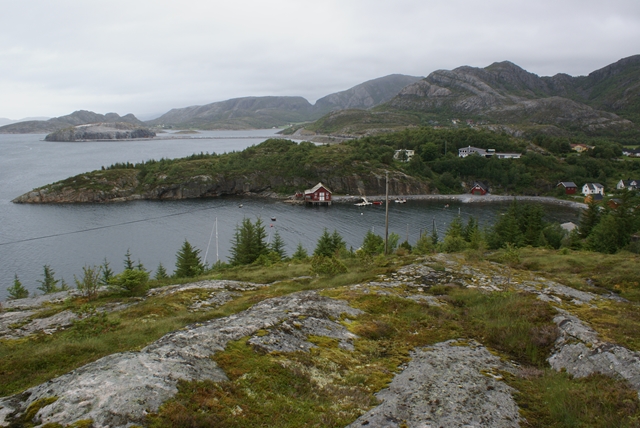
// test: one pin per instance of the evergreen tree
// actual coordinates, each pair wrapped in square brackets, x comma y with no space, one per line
[424,245]
[106,272]
[470,229]
[453,239]
[248,243]
[589,219]
[301,253]
[188,262]
[161,272]
[434,234]
[372,244]
[128,263]
[48,284]
[277,246]
[328,245]
[17,290]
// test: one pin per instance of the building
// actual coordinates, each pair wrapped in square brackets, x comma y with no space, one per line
[404,155]
[479,188]
[466,151]
[628,184]
[593,189]
[570,187]
[318,195]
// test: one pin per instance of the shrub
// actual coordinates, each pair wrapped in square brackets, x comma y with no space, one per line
[322,265]
[132,282]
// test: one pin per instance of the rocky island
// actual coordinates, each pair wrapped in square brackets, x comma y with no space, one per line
[101,131]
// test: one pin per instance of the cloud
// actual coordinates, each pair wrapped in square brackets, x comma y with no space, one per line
[149,56]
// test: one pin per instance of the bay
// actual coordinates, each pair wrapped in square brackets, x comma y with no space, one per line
[70,236]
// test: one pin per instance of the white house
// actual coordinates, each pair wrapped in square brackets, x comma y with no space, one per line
[466,151]
[628,184]
[593,189]
[404,155]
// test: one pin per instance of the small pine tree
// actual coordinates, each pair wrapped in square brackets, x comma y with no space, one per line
[188,262]
[128,263]
[329,244]
[434,235]
[106,272]
[48,284]
[161,272]
[372,244]
[301,253]
[248,243]
[277,246]
[17,290]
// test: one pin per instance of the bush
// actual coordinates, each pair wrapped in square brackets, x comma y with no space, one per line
[131,282]
[322,265]
[90,282]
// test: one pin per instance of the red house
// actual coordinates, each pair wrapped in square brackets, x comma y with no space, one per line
[569,187]
[479,188]
[318,195]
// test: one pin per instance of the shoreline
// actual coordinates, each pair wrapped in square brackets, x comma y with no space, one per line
[465,198]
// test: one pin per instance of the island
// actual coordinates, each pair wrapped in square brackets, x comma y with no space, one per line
[101,131]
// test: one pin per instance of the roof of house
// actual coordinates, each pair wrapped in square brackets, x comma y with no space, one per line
[594,185]
[481,185]
[567,184]
[316,187]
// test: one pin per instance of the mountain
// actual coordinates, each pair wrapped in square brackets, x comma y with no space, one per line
[80,117]
[504,93]
[239,113]
[366,95]
[267,112]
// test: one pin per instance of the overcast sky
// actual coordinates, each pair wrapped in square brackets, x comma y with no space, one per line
[148,56]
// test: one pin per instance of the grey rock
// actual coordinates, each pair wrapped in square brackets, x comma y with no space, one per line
[450,384]
[120,389]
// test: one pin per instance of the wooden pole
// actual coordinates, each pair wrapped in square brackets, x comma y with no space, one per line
[386,217]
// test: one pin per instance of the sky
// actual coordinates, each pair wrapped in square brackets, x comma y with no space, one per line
[148,56]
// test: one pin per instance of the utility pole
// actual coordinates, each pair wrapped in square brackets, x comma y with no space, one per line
[386,216]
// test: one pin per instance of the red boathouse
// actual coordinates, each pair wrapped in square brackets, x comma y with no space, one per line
[318,195]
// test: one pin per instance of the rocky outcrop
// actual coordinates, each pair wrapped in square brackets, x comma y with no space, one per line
[101,131]
[96,188]
[450,384]
[120,389]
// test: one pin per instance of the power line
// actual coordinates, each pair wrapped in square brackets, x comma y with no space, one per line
[103,227]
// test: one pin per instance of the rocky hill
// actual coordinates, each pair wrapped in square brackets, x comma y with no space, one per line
[80,117]
[101,131]
[239,113]
[267,112]
[365,95]
[504,93]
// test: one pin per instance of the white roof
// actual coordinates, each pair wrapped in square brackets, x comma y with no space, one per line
[316,187]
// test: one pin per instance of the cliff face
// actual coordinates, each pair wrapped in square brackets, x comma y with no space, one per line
[101,186]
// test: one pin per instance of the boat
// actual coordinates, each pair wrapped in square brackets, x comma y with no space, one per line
[377,202]
[273,219]
[364,202]
[400,201]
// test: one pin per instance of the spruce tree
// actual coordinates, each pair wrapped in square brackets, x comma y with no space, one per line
[161,272]
[188,262]
[128,263]
[324,246]
[106,272]
[589,219]
[277,246]
[248,243]
[301,253]
[17,290]
[48,284]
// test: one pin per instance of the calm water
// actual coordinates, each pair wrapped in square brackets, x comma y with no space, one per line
[67,237]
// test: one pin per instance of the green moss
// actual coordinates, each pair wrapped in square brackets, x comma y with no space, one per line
[35,407]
